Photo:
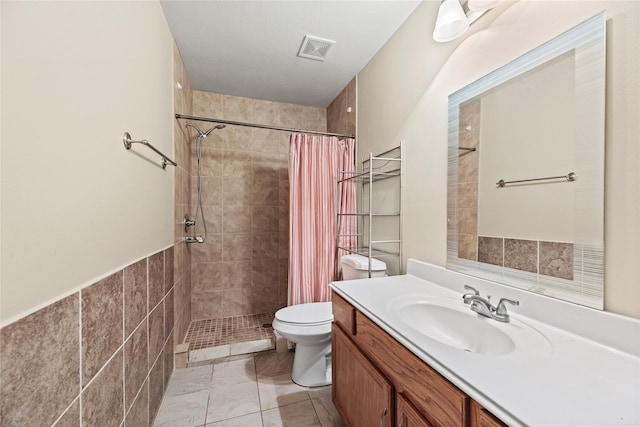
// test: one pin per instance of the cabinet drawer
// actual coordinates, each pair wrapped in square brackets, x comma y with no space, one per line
[344,314]
[441,403]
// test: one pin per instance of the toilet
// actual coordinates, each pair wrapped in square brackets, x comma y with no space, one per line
[356,266]
[309,326]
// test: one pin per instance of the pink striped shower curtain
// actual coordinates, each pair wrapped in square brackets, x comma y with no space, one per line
[314,162]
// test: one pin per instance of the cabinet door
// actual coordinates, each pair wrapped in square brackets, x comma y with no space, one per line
[442,403]
[407,415]
[480,417]
[362,395]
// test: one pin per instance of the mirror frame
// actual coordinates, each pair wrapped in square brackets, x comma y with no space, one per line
[587,40]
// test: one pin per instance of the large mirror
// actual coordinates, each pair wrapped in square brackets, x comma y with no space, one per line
[526,170]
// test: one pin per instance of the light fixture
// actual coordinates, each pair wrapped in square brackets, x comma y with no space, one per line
[451,22]
[455,17]
[482,5]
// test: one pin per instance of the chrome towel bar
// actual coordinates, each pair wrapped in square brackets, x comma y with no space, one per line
[571,176]
[126,139]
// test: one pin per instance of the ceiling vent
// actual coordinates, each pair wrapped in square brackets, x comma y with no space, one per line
[315,48]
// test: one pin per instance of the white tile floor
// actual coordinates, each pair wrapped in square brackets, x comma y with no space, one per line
[253,391]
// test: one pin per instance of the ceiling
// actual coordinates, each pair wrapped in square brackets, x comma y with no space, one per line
[249,48]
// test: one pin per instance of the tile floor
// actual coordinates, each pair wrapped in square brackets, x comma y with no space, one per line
[251,390]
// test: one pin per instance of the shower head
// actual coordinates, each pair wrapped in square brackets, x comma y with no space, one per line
[211,129]
[207,132]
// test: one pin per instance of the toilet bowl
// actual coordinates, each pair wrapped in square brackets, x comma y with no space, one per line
[309,326]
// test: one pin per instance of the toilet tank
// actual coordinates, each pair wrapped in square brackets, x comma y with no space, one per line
[356,266]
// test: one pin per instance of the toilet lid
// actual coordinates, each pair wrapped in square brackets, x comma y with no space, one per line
[308,314]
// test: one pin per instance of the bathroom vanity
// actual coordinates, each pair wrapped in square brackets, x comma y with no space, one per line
[371,371]
[407,351]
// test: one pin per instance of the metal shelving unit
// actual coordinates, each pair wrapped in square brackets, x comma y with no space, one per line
[379,216]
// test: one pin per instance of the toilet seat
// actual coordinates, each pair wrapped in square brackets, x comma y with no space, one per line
[311,314]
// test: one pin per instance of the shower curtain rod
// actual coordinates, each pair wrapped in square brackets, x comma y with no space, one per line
[254,125]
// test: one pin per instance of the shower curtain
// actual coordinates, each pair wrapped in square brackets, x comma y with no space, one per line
[314,163]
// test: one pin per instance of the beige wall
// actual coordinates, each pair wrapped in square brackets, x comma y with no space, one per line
[402,95]
[87,258]
[76,205]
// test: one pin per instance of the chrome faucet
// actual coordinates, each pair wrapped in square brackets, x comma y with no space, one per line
[484,307]
[501,314]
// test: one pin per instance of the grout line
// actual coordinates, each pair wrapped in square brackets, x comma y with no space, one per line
[255,371]
[57,420]
[149,365]
[97,374]
[78,396]
[146,379]
[80,351]
[206,409]
[164,273]
[124,356]
[315,410]
[148,397]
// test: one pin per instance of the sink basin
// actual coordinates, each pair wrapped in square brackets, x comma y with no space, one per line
[434,320]
[463,330]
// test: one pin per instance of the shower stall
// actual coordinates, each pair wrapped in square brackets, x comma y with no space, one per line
[237,205]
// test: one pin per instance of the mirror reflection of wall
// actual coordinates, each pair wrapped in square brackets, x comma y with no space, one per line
[527,227]
[525,121]
[528,122]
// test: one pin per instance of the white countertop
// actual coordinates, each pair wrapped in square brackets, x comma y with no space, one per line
[585,372]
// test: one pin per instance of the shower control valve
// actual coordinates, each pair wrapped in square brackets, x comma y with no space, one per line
[188,222]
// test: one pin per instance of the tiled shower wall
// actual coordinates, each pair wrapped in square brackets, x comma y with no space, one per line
[101,356]
[243,266]
[468,164]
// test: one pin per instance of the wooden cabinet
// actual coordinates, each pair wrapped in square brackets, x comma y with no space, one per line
[371,369]
[362,395]
[407,415]
[344,314]
[440,402]
[480,417]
